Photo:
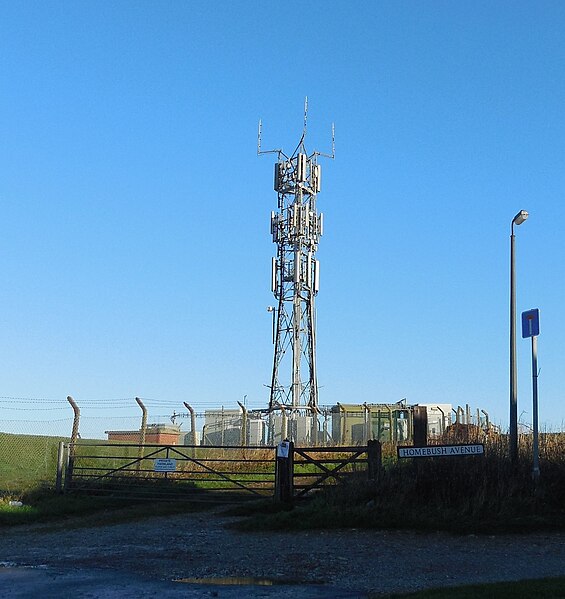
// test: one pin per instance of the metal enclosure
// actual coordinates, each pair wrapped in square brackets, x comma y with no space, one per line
[256,432]
[439,418]
[359,423]
[221,427]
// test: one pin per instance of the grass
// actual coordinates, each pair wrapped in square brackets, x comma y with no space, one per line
[457,494]
[198,470]
[46,506]
[27,461]
[28,466]
[548,588]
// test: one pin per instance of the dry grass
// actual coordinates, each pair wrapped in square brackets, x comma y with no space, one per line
[481,494]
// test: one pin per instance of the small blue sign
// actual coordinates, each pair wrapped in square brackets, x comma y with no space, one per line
[530,323]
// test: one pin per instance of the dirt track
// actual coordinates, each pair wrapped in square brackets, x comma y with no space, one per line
[141,559]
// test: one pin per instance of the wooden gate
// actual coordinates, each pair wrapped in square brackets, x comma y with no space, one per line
[301,470]
[181,472]
[316,467]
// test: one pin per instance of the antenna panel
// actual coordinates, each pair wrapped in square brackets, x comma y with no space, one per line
[316,276]
[303,219]
[297,266]
[317,183]
[301,161]
[295,210]
[274,275]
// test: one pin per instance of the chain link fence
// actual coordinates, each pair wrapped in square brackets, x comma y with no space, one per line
[31,430]
[30,433]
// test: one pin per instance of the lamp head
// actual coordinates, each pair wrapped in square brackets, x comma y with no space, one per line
[520,217]
[270,308]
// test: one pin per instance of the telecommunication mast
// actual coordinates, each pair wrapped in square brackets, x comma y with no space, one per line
[296,228]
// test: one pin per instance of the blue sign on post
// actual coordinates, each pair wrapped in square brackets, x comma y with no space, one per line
[530,323]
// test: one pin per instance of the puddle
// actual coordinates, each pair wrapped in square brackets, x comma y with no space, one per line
[236,580]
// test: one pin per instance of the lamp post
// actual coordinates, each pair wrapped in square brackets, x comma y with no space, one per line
[517,220]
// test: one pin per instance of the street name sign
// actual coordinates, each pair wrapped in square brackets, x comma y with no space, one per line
[433,451]
[164,465]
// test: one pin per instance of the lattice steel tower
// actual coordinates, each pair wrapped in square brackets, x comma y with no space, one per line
[296,228]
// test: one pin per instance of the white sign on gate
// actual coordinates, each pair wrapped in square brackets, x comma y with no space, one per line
[283,449]
[164,465]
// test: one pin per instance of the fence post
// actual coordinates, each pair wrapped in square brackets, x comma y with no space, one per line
[284,472]
[374,459]
[192,426]
[243,435]
[366,423]
[223,429]
[60,464]
[442,427]
[315,426]
[284,426]
[74,437]
[270,428]
[142,430]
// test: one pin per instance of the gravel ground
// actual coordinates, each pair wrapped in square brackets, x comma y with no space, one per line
[142,559]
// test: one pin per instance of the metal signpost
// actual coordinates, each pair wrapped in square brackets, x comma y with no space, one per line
[530,328]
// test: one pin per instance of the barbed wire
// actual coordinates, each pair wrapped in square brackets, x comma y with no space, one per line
[36,409]
[38,421]
[96,400]
[133,418]
[32,399]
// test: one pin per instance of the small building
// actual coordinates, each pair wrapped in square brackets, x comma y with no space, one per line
[155,434]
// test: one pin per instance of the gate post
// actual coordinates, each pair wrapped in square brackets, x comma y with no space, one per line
[284,472]
[374,459]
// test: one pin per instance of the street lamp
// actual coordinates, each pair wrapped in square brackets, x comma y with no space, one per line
[517,220]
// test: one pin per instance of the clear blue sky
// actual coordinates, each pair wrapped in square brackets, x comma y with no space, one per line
[135,247]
